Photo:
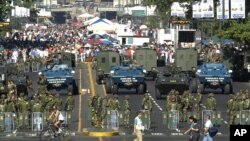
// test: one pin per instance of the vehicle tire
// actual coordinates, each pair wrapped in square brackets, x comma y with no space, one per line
[115,89]
[141,89]
[98,80]
[157,94]
[200,88]
[227,89]
[193,86]
[108,85]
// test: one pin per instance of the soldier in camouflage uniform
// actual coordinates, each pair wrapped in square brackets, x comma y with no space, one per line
[2,104]
[49,104]
[115,104]
[11,107]
[37,106]
[146,105]
[247,102]
[210,102]
[23,108]
[69,105]
[99,111]
[58,101]
[187,104]
[127,111]
[197,105]
[230,104]
[93,105]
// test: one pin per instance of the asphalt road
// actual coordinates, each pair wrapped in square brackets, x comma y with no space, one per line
[87,86]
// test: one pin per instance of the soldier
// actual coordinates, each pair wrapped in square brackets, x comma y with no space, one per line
[37,106]
[127,111]
[93,106]
[2,104]
[147,107]
[41,80]
[49,104]
[247,102]
[230,105]
[58,101]
[197,105]
[29,85]
[23,108]
[69,105]
[94,65]
[99,111]
[106,108]
[187,104]
[115,104]
[210,102]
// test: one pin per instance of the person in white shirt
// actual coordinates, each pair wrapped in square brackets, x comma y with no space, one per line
[208,124]
[57,118]
[138,126]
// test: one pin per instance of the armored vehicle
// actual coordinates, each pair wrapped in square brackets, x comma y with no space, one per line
[104,61]
[178,76]
[147,58]
[60,76]
[18,76]
[126,76]
[214,75]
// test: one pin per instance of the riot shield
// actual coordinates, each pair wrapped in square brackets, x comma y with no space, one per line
[114,120]
[205,113]
[69,117]
[1,121]
[237,118]
[245,117]
[164,118]
[37,121]
[217,118]
[174,119]
[146,119]
[8,122]
[23,120]
[121,118]
[27,67]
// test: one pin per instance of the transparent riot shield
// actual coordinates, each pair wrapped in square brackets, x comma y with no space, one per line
[174,118]
[217,118]
[146,119]
[205,113]
[114,120]
[237,119]
[35,66]
[27,67]
[69,117]
[164,118]
[8,122]
[121,118]
[37,121]
[1,121]
[107,118]
[64,113]
[245,117]
[23,120]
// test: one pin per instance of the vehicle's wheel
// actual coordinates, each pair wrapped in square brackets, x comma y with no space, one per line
[98,80]
[115,89]
[227,89]
[200,88]
[108,85]
[193,86]
[157,94]
[141,89]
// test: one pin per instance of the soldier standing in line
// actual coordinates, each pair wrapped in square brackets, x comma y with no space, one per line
[247,102]
[127,111]
[106,108]
[93,106]
[230,108]
[37,106]
[49,104]
[187,104]
[69,105]
[211,102]
[23,108]
[2,104]
[147,107]
[99,111]
[115,104]
[197,105]
[58,101]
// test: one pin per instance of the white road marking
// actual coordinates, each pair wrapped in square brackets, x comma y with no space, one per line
[154,101]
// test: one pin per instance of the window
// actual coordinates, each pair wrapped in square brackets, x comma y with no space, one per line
[113,60]
[103,60]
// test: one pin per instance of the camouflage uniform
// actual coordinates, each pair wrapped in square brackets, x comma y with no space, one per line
[93,105]
[58,101]
[37,106]
[69,105]
[106,109]
[115,104]
[127,111]
[197,105]
[230,105]
[187,104]
[147,106]
[210,102]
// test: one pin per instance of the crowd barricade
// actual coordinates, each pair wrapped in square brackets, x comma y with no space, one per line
[146,119]
[245,117]
[37,121]
[113,119]
[174,119]
[9,123]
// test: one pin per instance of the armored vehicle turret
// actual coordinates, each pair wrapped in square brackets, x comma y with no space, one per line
[178,76]
[104,61]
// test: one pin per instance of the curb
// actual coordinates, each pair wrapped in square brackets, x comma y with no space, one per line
[100,133]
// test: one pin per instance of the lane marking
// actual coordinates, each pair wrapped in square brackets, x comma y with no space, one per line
[104,90]
[80,103]
[100,139]
[154,101]
[91,80]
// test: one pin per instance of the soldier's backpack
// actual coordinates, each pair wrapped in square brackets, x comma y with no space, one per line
[212,131]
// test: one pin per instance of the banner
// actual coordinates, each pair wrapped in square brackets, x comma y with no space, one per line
[207,8]
[226,9]
[197,10]
[238,9]
[177,10]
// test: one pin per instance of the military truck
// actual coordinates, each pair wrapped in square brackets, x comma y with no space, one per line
[147,58]
[60,76]
[104,61]
[214,75]
[126,76]
[180,75]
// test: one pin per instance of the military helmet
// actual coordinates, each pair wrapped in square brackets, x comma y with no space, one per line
[210,95]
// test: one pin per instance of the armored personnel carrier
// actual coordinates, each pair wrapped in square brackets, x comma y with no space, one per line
[126,76]
[147,58]
[214,75]
[180,75]
[104,61]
